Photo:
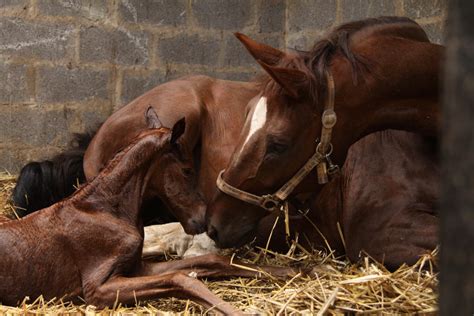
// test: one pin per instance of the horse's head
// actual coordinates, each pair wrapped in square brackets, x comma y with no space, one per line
[174,180]
[278,138]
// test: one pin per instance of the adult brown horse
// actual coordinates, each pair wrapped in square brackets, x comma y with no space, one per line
[386,75]
[214,111]
[384,202]
[90,244]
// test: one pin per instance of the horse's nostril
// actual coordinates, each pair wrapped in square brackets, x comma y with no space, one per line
[212,232]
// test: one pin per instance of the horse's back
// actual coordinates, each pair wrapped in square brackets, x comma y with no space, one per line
[171,101]
[214,112]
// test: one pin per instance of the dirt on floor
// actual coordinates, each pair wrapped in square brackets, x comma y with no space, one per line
[334,286]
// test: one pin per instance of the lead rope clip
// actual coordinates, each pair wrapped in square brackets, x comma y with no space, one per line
[332,169]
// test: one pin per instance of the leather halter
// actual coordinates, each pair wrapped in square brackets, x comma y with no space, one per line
[320,159]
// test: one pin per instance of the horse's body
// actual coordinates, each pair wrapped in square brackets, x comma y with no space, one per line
[384,201]
[90,245]
[397,87]
[214,111]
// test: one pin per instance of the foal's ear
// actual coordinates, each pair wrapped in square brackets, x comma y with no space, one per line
[293,81]
[151,118]
[259,51]
[178,130]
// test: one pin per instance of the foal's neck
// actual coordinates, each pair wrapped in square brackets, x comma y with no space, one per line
[119,188]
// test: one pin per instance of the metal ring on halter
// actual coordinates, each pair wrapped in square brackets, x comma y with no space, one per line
[318,147]
[270,203]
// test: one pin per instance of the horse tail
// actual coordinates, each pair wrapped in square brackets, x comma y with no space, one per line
[41,184]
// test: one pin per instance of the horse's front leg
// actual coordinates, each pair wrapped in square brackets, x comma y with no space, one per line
[130,290]
[403,238]
[215,266]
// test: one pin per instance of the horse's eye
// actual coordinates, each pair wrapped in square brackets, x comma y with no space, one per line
[276,148]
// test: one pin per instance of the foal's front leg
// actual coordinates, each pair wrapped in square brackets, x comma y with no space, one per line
[214,266]
[130,290]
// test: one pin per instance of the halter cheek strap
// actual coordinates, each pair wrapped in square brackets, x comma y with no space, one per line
[320,159]
[328,120]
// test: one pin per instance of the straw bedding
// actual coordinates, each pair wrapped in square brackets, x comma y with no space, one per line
[333,286]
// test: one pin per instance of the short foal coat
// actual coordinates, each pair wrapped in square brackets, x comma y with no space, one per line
[90,245]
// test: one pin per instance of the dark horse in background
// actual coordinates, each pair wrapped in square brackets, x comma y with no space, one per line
[215,111]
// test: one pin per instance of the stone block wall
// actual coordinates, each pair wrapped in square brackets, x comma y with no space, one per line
[65,65]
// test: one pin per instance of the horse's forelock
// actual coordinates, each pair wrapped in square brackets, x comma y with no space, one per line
[294,61]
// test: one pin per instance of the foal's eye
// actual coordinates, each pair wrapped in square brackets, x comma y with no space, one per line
[188,172]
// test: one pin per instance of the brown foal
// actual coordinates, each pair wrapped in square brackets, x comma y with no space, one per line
[90,244]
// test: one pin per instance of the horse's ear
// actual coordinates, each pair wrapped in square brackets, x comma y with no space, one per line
[151,118]
[178,130]
[259,51]
[292,81]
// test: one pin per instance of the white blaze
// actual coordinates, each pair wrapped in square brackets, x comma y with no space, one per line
[259,117]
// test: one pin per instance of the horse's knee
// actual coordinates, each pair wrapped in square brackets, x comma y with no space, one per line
[100,298]
[181,280]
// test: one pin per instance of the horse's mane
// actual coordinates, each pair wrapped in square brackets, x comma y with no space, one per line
[338,40]
[317,60]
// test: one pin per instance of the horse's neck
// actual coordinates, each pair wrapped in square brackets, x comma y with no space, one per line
[400,92]
[119,188]
[221,127]
[225,111]
[405,84]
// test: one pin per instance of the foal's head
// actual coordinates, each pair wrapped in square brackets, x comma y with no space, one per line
[174,180]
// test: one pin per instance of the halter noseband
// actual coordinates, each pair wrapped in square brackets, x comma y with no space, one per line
[320,159]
